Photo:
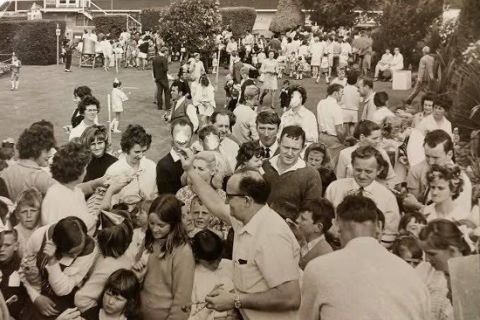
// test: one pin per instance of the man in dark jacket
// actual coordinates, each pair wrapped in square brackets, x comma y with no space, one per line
[160,69]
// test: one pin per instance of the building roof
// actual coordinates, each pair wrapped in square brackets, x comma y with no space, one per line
[141,4]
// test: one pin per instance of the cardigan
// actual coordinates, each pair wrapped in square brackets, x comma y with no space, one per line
[98,166]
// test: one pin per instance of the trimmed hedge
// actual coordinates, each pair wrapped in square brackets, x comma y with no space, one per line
[34,42]
[289,15]
[111,24]
[241,19]
[150,18]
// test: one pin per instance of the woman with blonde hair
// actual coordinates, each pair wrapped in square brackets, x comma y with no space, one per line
[95,138]
[211,167]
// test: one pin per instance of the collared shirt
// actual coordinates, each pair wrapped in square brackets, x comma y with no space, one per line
[381,114]
[418,186]
[378,284]
[351,98]
[273,148]
[329,115]
[229,149]
[265,255]
[245,128]
[369,108]
[383,198]
[344,166]
[175,155]
[144,182]
[191,112]
[309,246]
[397,62]
[298,165]
[428,124]
[305,119]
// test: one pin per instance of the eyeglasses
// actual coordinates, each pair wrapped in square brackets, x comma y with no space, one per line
[91,110]
[229,196]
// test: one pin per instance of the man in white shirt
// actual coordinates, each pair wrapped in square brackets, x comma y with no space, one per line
[438,146]
[299,115]
[268,124]
[367,163]
[350,103]
[397,61]
[89,108]
[330,122]
[265,251]
[363,280]
[380,99]
[384,63]
[224,120]
[245,128]
[368,133]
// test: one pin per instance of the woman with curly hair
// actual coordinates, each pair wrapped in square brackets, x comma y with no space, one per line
[211,168]
[95,138]
[65,198]
[33,147]
[445,184]
[132,163]
[89,108]
[78,94]
[250,156]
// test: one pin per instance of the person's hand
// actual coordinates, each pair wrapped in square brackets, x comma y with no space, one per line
[70,314]
[410,202]
[49,251]
[140,269]
[186,157]
[220,300]
[45,306]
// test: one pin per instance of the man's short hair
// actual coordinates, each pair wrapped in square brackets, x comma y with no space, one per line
[300,89]
[367,152]
[334,88]
[254,185]
[427,97]
[358,209]
[268,117]
[181,86]
[435,137]
[368,82]
[380,99]
[231,117]
[322,212]
[183,122]
[365,127]
[352,78]
[443,101]
[294,132]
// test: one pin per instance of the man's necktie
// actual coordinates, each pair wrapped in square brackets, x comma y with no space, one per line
[267,152]
[360,191]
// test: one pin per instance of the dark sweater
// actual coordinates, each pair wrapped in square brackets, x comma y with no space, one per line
[168,175]
[7,268]
[293,187]
[98,166]
[3,189]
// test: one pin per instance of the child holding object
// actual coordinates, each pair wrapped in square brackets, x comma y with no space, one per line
[118,98]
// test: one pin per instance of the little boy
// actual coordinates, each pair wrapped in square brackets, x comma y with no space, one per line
[203,219]
[284,97]
[314,220]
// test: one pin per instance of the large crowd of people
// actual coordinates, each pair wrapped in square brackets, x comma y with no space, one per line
[256,212]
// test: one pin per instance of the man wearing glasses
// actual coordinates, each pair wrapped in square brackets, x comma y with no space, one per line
[265,251]
[89,108]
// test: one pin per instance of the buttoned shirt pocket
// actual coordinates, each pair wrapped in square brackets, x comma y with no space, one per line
[247,277]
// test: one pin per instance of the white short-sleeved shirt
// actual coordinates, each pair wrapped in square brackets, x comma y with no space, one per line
[265,255]
[429,124]
[303,118]
[381,114]
[78,130]
[329,115]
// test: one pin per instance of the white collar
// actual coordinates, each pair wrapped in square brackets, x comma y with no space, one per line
[180,101]
[298,165]
[175,155]
[309,246]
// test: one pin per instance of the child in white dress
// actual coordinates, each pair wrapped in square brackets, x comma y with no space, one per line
[118,98]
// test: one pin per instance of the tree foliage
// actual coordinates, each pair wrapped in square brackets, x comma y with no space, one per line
[404,23]
[150,18]
[191,24]
[289,15]
[335,13]
[469,23]
[110,24]
[240,19]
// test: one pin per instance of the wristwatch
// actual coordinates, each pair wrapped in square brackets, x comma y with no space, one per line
[236,301]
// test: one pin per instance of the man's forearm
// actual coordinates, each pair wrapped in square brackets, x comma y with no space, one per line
[285,297]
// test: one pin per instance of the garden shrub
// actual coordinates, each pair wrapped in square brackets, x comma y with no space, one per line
[240,19]
[34,42]
[289,15]
[110,24]
[150,18]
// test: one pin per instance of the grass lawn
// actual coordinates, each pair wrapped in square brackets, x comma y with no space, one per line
[46,92]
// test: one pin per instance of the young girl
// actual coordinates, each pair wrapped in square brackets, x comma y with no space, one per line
[120,299]
[27,213]
[168,270]
[324,69]
[56,261]
[15,75]
[118,98]
[411,223]
[441,241]
[214,63]
[299,66]
[250,156]
[113,243]
[445,184]
[210,270]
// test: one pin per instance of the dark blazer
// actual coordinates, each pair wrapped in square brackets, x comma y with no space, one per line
[160,67]
[321,248]
[169,175]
